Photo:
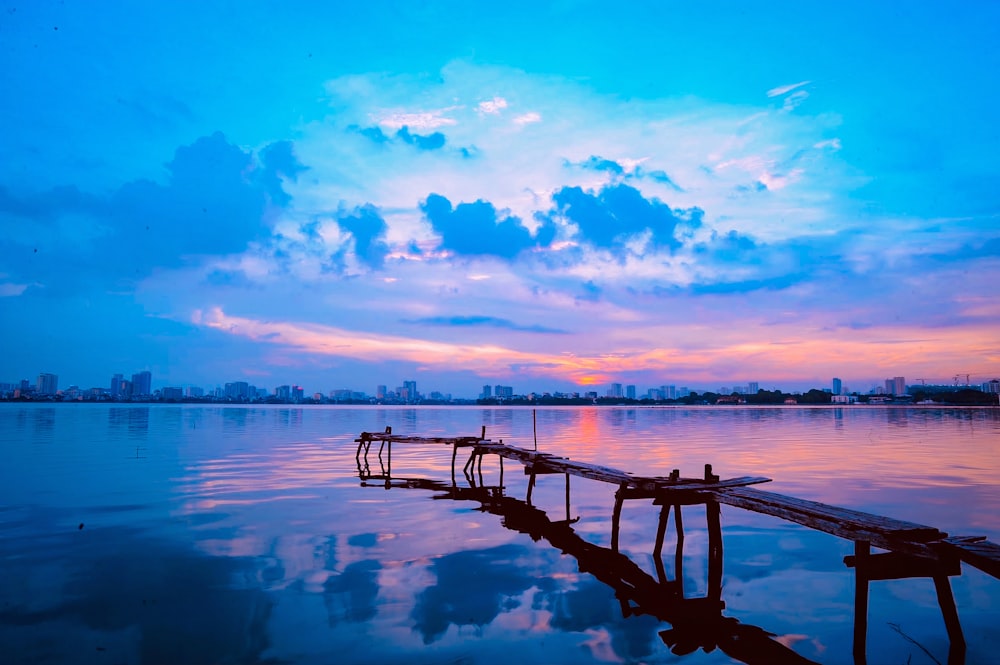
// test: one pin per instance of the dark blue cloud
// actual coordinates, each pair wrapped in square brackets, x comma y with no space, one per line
[464,596]
[598,163]
[659,176]
[474,229]
[433,141]
[484,321]
[375,133]
[215,199]
[608,217]
[279,162]
[368,229]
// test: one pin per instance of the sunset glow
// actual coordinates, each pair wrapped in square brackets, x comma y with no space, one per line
[328,198]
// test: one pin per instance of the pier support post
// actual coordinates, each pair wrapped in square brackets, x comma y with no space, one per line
[956,651]
[862,549]
[661,531]
[616,517]
[713,516]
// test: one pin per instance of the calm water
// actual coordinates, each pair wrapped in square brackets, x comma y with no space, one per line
[189,534]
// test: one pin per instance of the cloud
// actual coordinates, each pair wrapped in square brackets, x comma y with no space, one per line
[472,229]
[484,321]
[785,89]
[607,218]
[492,106]
[779,350]
[420,120]
[433,141]
[368,229]
[216,198]
[527,118]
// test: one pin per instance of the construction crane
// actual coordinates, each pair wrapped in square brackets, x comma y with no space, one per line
[960,375]
[923,382]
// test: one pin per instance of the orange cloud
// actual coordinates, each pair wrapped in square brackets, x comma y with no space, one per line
[787,353]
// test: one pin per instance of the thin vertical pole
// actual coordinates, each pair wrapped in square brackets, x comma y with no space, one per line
[567,497]
[661,530]
[861,551]
[534,429]
[616,517]
[531,486]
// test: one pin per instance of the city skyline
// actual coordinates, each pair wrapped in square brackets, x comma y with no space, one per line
[141,385]
[520,195]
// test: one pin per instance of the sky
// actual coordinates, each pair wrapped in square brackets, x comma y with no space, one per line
[548,195]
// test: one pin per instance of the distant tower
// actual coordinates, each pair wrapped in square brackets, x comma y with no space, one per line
[142,383]
[630,391]
[380,392]
[754,387]
[838,387]
[899,385]
[411,389]
[616,390]
[487,392]
[47,384]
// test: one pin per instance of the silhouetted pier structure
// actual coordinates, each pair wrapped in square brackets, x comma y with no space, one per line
[912,550]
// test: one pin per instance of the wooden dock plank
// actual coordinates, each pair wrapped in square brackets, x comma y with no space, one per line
[976,552]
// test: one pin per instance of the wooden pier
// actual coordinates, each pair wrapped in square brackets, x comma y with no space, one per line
[911,550]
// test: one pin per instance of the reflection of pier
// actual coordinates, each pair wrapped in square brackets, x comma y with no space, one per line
[913,550]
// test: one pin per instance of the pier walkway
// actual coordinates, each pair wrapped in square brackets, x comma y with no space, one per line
[911,550]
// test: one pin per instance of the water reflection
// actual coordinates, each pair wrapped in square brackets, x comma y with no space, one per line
[134,420]
[114,595]
[261,513]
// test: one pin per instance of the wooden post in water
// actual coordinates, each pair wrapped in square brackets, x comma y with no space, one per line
[534,430]
[862,549]
[616,516]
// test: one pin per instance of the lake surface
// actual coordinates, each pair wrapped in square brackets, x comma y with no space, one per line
[212,534]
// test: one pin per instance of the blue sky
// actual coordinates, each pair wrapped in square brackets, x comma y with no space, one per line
[547,195]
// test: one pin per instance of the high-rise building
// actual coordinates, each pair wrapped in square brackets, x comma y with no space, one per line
[193,391]
[615,390]
[411,390]
[487,392]
[142,384]
[630,391]
[753,388]
[47,384]
[380,392]
[838,387]
[895,386]
[116,385]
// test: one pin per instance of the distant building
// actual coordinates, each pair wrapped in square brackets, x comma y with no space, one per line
[487,392]
[630,391]
[142,384]
[195,392]
[895,386]
[116,385]
[172,393]
[237,390]
[283,392]
[503,392]
[838,387]
[410,390]
[47,384]
[753,388]
[992,387]
[380,392]
[615,390]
